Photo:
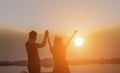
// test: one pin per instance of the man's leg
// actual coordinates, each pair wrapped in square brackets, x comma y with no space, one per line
[37,69]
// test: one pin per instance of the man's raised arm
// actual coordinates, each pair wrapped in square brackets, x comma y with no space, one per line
[43,43]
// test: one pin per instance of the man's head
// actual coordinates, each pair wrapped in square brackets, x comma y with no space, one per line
[33,35]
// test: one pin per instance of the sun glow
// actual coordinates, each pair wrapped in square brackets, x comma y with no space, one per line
[78,41]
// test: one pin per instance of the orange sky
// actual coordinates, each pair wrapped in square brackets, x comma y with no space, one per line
[61,16]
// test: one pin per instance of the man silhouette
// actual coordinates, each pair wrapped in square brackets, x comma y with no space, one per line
[32,51]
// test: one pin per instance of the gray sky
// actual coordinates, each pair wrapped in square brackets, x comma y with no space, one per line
[59,14]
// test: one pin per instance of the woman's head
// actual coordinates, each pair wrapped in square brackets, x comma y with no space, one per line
[58,41]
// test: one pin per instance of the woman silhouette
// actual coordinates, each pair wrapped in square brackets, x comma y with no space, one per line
[59,54]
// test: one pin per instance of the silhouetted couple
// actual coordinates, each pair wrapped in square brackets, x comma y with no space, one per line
[58,51]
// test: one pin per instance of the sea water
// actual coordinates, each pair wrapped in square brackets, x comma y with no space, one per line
[73,69]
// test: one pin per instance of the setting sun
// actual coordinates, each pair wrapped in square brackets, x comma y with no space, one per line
[78,41]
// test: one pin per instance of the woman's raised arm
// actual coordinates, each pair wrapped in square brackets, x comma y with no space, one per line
[70,38]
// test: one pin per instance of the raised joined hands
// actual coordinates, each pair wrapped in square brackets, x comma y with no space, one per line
[46,32]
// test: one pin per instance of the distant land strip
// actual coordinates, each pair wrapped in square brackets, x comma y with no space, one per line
[48,62]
